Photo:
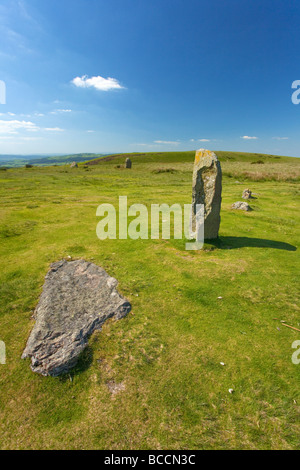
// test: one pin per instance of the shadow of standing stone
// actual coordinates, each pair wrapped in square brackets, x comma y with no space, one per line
[77,298]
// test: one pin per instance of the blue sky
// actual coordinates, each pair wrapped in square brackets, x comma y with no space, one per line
[138,75]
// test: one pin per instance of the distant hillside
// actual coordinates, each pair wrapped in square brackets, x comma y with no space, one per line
[14,161]
[189,156]
[237,165]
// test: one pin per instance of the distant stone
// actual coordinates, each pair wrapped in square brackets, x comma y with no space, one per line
[128,163]
[247,194]
[207,190]
[28,165]
[74,165]
[241,205]
[77,298]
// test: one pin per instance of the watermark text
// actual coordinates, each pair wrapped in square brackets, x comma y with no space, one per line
[2,353]
[161,216]
[296,355]
[2,92]
[296,94]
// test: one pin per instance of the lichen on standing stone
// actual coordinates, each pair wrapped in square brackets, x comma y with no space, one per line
[207,190]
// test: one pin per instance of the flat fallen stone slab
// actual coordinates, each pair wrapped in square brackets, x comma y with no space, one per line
[77,298]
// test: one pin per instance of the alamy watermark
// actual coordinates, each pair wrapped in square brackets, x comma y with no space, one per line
[2,92]
[296,355]
[296,94]
[160,217]
[2,353]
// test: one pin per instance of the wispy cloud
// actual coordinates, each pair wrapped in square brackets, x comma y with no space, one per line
[11,13]
[280,138]
[24,12]
[203,140]
[247,137]
[26,15]
[61,111]
[36,114]
[15,127]
[170,142]
[15,40]
[99,83]
[7,114]
[53,129]
[143,144]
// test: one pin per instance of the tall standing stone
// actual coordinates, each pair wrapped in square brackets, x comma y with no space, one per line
[247,194]
[128,163]
[207,190]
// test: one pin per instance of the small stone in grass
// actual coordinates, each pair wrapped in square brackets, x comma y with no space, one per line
[240,205]
[231,390]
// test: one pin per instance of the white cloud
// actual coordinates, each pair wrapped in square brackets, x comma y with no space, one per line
[170,142]
[203,140]
[7,114]
[53,129]
[12,127]
[100,83]
[60,111]
[246,137]
[90,131]
[15,127]
[280,138]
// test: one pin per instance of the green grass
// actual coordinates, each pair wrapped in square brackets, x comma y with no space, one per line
[167,352]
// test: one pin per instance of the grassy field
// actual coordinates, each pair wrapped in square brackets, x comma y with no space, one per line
[154,380]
